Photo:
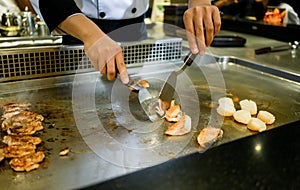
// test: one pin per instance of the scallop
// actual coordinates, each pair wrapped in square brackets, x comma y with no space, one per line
[226,101]
[226,110]
[249,105]
[266,117]
[226,106]
[256,124]
[242,116]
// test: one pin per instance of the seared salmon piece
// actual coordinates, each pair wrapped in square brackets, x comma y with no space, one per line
[181,127]
[209,135]
[172,114]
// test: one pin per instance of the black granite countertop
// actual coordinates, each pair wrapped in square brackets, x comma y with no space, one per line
[268,160]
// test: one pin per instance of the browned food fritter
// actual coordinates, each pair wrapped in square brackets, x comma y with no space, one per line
[21,140]
[27,163]
[26,129]
[23,123]
[1,155]
[11,107]
[18,150]
[7,115]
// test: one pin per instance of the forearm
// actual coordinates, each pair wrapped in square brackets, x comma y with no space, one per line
[55,12]
[83,28]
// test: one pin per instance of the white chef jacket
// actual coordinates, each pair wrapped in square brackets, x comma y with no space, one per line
[108,9]
[8,5]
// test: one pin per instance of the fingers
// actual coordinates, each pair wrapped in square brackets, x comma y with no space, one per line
[216,20]
[111,69]
[106,57]
[190,30]
[122,68]
[199,28]
[209,29]
[202,23]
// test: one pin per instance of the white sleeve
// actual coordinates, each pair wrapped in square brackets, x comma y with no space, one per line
[35,5]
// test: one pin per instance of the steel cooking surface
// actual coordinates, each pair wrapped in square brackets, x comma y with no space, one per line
[78,110]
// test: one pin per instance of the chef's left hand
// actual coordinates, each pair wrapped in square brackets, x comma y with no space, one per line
[202,22]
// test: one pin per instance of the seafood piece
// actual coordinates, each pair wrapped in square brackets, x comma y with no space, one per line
[143,83]
[266,117]
[21,140]
[64,152]
[242,116]
[162,108]
[209,135]
[173,113]
[1,155]
[27,163]
[249,105]
[226,101]
[181,127]
[18,151]
[226,107]
[225,110]
[256,124]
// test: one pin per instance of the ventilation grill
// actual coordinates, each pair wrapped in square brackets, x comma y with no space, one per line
[24,63]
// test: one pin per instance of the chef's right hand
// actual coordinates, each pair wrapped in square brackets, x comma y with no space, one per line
[105,55]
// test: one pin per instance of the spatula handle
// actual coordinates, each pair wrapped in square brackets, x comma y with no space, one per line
[188,60]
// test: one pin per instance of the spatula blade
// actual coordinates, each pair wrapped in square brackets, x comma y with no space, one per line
[168,89]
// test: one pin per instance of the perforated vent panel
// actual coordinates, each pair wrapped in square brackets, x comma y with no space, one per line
[17,64]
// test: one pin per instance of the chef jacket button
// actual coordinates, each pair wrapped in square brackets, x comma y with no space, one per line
[133,10]
[102,14]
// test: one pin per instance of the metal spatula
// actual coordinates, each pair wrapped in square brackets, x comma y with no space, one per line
[167,91]
[149,101]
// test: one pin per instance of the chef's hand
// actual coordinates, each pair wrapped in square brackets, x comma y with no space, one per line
[105,55]
[202,22]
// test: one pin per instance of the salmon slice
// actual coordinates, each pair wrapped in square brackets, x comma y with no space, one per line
[209,135]
[181,127]
[173,112]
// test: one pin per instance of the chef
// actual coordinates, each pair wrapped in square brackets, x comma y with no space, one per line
[98,24]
